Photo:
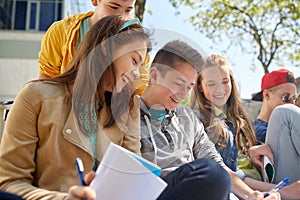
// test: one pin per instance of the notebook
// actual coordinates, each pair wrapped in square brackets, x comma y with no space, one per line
[268,171]
[122,175]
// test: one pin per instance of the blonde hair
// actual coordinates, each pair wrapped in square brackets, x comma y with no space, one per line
[245,136]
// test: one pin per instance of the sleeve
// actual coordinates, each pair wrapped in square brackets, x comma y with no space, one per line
[50,55]
[260,131]
[17,150]
[240,173]
[203,147]
[141,84]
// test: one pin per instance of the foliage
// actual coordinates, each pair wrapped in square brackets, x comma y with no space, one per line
[268,29]
[185,102]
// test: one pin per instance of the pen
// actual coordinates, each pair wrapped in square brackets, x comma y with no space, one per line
[279,186]
[80,170]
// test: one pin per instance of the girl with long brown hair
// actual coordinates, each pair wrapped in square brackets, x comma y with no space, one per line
[218,105]
[216,102]
[77,114]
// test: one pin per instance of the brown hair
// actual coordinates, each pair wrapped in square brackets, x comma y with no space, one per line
[175,52]
[297,101]
[92,67]
[234,109]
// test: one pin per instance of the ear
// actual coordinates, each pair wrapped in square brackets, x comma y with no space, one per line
[153,74]
[94,2]
[266,94]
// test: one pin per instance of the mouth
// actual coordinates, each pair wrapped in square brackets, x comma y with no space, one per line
[175,100]
[221,96]
[125,79]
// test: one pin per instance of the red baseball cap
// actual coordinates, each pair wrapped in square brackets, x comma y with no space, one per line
[273,79]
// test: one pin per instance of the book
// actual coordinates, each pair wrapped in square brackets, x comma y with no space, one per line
[268,171]
[123,175]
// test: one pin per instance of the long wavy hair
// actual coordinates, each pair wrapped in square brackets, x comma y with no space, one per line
[245,136]
[93,66]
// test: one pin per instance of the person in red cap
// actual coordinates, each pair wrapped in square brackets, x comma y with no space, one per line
[278,125]
[277,87]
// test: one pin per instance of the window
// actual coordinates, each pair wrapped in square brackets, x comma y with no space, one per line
[34,15]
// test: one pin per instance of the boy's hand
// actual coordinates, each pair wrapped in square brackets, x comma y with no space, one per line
[256,152]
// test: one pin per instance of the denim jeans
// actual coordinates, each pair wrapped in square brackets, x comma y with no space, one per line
[283,136]
[8,196]
[201,179]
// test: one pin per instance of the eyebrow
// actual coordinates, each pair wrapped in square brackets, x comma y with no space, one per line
[116,4]
[210,81]
[184,81]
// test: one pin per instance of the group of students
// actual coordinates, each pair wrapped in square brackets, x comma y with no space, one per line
[92,66]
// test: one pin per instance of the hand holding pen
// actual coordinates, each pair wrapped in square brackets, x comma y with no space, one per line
[279,186]
[82,191]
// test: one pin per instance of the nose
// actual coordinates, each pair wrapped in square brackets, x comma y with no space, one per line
[219,88]
[183,94]
[135,74]
[123,12]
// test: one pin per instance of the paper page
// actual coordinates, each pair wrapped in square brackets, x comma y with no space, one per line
[268,172]
[120,176]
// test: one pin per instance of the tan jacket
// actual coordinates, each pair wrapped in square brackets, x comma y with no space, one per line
[41,142]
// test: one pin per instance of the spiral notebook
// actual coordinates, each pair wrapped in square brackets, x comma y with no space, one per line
[122,175]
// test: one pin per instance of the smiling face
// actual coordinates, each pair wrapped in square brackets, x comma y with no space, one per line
[105,8]
[172,87]
[216,85]
[127,61]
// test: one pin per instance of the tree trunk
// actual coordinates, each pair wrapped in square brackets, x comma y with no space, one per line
[140,8]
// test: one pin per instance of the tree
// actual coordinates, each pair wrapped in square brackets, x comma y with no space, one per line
[139,8]
[270,27]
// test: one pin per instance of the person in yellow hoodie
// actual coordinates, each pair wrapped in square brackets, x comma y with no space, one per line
[63,37]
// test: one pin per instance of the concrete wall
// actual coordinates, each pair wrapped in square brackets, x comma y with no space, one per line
[18,61]
[14,74]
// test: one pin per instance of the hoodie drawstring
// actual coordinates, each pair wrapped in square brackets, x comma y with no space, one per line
[152,138]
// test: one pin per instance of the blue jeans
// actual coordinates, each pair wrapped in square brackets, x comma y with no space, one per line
[283,136]
[8,196]
[200,179]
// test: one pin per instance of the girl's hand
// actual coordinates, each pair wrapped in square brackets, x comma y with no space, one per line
[256,195]
[89,177]
[77,192]
[273,196]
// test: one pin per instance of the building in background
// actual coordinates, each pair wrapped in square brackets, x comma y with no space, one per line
[22,26]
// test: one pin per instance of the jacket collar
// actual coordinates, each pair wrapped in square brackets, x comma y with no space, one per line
[73,134]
